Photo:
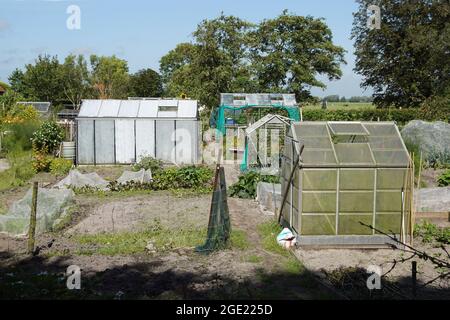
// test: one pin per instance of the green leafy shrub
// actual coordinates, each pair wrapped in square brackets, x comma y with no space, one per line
[18,136]
[245,187]
[191,177]
[444,179]
[147,162]
[49,136]
[60,166]
[429,232]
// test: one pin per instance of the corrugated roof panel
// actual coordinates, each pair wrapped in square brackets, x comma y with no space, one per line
[148,109]
[129,108]
[90,108]
[187,109]
[109,108]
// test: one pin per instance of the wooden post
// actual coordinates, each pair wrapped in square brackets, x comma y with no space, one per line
[414,278]
[32,227]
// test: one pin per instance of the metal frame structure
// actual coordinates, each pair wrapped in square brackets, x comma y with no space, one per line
[122,128]
[331,192]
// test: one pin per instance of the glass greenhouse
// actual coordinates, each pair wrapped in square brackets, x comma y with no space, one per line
[343,177]
[123,131]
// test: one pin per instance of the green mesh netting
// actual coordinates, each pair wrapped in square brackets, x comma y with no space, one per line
[293,112]
[219,226]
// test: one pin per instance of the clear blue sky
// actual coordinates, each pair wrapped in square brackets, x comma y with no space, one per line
[143,31]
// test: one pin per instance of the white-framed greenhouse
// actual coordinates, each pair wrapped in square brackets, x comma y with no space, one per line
[342,181]
[122,131]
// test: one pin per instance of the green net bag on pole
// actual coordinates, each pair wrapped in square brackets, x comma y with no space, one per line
[219,226]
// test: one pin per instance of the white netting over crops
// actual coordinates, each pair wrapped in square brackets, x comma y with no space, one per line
[142,176]
[78,180]
[51,204]
[432,138]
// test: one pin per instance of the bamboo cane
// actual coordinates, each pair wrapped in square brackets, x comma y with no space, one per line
[32,227]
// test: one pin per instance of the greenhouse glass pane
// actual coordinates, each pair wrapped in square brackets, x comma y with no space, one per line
[319,179]
[357,153]
[104,141]
[125,141]
[349,224]
[85,141]
[165,140]
[391,157]
[356,179]
[318,224]
[389,201]
[381,129]
[347,128]
[390,178]
[356,202]
[186,134]
[387,142]
[304,129]
[318,202]
[317,142]
[145,138]
[388,223]
[318,157]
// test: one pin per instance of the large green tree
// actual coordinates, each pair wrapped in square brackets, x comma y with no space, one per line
[228,54]
[145,83]
[407,60]
[40,81]
[290,51]
[109,77]
[216,62]
[75,79]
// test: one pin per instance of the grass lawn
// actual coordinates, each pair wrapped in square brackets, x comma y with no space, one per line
[341,105]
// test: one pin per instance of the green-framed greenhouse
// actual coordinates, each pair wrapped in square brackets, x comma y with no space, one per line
[340,178]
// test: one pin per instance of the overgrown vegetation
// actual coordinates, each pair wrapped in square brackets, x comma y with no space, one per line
[48,137]
[198,178]
[148,162]
[156,237]
[20,170]
[60,166]
[245,187]
[430,233]
[444,179]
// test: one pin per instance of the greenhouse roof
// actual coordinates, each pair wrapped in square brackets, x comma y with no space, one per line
[142,108]
[41,107]
[350,144]
[257,99]
[268,119]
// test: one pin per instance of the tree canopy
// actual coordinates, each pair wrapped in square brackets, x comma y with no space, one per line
[75,79]
[407,60]
[228,54]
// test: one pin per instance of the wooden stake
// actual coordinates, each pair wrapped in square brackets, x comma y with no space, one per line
[414,277]
[32,227]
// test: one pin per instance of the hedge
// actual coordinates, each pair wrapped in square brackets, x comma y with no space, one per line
[400,116]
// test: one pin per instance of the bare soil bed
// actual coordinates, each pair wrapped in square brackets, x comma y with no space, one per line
[244,271]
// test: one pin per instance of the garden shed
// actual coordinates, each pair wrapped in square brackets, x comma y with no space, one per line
[339,178]
[123,131]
